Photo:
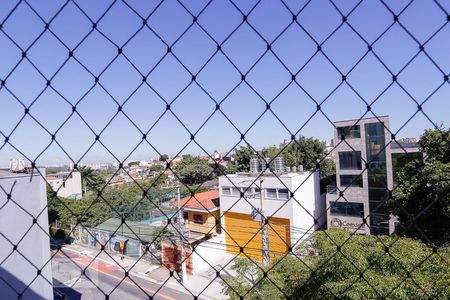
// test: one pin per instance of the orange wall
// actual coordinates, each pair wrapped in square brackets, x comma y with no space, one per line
[242,231]
[209,222]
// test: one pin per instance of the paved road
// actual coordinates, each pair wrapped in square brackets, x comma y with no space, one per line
[102,279]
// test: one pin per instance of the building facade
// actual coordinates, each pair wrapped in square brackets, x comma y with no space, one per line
[364,154]
[290,201]
[201,212]
[24,238]
[66,184]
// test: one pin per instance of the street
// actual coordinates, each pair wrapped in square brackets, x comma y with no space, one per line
[102,280]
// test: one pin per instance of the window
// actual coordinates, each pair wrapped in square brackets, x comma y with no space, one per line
[235,192]
[345,209]
[198,219]
[271,193]
[350,160]
[283,194]
[351,180]
[226,191]
[185,215]
[257,192]
[247,191]
[349,132]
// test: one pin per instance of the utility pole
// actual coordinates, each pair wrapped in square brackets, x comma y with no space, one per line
[180,231]
[258,214]
[264,229]
[183,273]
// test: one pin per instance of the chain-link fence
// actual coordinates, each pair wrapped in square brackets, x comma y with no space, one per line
[111,113]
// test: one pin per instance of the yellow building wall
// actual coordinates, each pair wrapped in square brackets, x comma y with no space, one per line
[209,222]
[242,231]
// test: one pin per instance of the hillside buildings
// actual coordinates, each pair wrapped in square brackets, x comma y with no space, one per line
[366,160]
[24,239]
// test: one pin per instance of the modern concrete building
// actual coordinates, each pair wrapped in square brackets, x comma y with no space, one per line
[66,184]
[365,153]
[24,237]
[290,201]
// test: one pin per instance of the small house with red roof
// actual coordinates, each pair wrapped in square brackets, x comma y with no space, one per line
[201,211]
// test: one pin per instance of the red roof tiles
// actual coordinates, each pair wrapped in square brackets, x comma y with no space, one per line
[202,201]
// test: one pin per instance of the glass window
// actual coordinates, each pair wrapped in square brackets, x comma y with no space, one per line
[247,191]
[346,209]
[257,192]
[350,160]
[271,193]
[351,180]
[198,219]
[235,192]
[283,194]
[185,215]
[349,132]
[226,191]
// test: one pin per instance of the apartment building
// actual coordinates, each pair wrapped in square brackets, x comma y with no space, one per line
[366,159]
[290,201]
[66,184]
[24,238]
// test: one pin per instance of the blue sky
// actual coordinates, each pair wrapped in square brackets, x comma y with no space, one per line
[292,43]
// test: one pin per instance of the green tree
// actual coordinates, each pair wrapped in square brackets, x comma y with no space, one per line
[91,181]
[194,170]
[163,157]
[133,163]
[157,168]
[360,269]
[242,157]
[195,174]
[422,191]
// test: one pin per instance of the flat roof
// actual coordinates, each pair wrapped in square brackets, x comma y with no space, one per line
[266,174]
[6,173]
[361,119]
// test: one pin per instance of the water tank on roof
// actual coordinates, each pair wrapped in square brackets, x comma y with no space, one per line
[266,165]
[254,165]
[279,164]
[300,168]
[294,169]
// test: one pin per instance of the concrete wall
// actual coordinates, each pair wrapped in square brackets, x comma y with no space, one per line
[67,187]
[15,223]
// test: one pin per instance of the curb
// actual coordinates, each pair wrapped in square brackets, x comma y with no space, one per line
[141,275]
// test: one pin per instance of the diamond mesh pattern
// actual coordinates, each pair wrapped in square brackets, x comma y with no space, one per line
[129,77]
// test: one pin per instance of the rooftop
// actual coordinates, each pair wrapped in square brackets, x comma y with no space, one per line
[5,173]
[267,174]
[130,229]
[362,119]
[203,201]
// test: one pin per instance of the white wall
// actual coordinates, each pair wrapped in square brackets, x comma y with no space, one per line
[35,246]
[210,253]
[71,188]
[305,185]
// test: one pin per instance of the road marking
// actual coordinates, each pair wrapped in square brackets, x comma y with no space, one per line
[120,279]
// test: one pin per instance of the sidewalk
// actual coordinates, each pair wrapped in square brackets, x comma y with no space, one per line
[210,287]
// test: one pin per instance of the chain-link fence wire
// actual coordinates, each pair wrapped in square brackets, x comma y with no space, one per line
[170,37]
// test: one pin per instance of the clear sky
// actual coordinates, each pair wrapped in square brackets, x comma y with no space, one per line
[193,102]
